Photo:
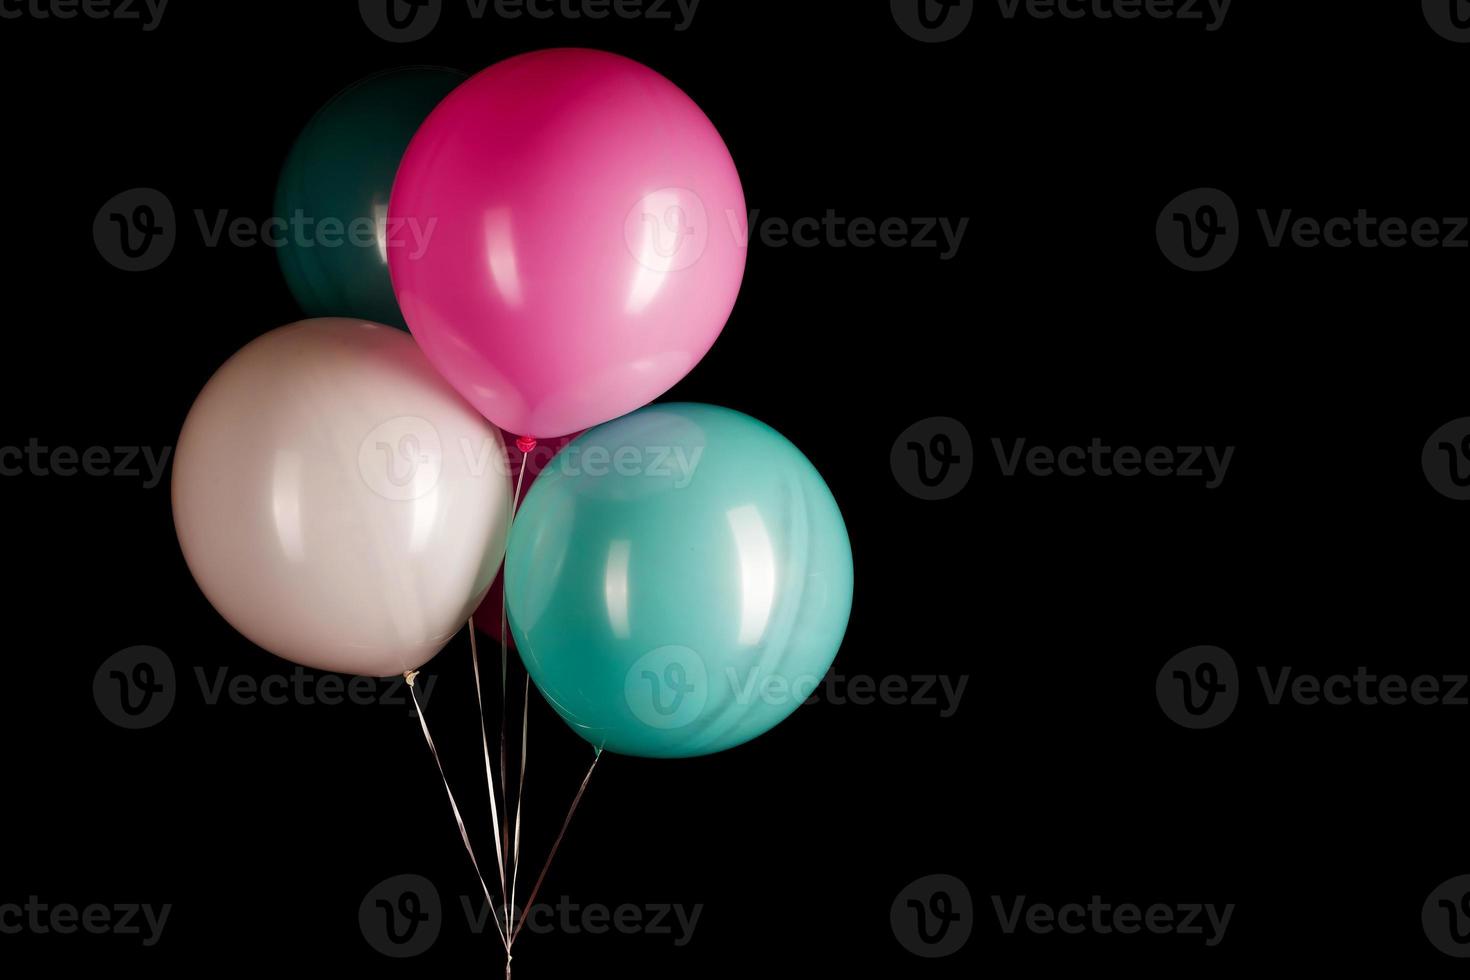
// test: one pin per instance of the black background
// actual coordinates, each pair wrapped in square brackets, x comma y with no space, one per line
[1059,320]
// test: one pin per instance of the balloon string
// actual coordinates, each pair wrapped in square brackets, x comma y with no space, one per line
[489,778]
[458,818]
[515,868]
[502,833]
[504,685]
[535,889]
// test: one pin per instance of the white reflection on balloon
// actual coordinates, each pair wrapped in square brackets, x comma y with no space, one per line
[286,503]
[615,587]
[380,221]
[757,571]
[500,250]
[654,255]
[425,513]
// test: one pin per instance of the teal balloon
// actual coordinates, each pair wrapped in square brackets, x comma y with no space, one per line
[334,188]
[678,581]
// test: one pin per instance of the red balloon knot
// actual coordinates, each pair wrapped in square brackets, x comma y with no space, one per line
[526,444]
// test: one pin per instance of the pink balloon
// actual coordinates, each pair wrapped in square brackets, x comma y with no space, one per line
[487,616]
[566,238]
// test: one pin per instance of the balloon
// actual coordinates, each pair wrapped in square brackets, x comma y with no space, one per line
[587,244]
[333,193]
[336,501]
[487,616]
[679,581]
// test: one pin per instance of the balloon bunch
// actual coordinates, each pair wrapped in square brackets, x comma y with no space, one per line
[343,499]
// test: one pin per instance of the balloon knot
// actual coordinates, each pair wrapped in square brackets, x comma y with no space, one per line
[526,444]
[409,675]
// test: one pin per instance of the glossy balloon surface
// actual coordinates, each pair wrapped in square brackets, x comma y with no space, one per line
[588,238]
[332,195]
[336,501]
[678,581]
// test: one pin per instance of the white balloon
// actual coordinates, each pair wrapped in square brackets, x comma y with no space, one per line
[337,501]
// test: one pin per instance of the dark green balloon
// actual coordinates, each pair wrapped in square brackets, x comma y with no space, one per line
[333,192]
